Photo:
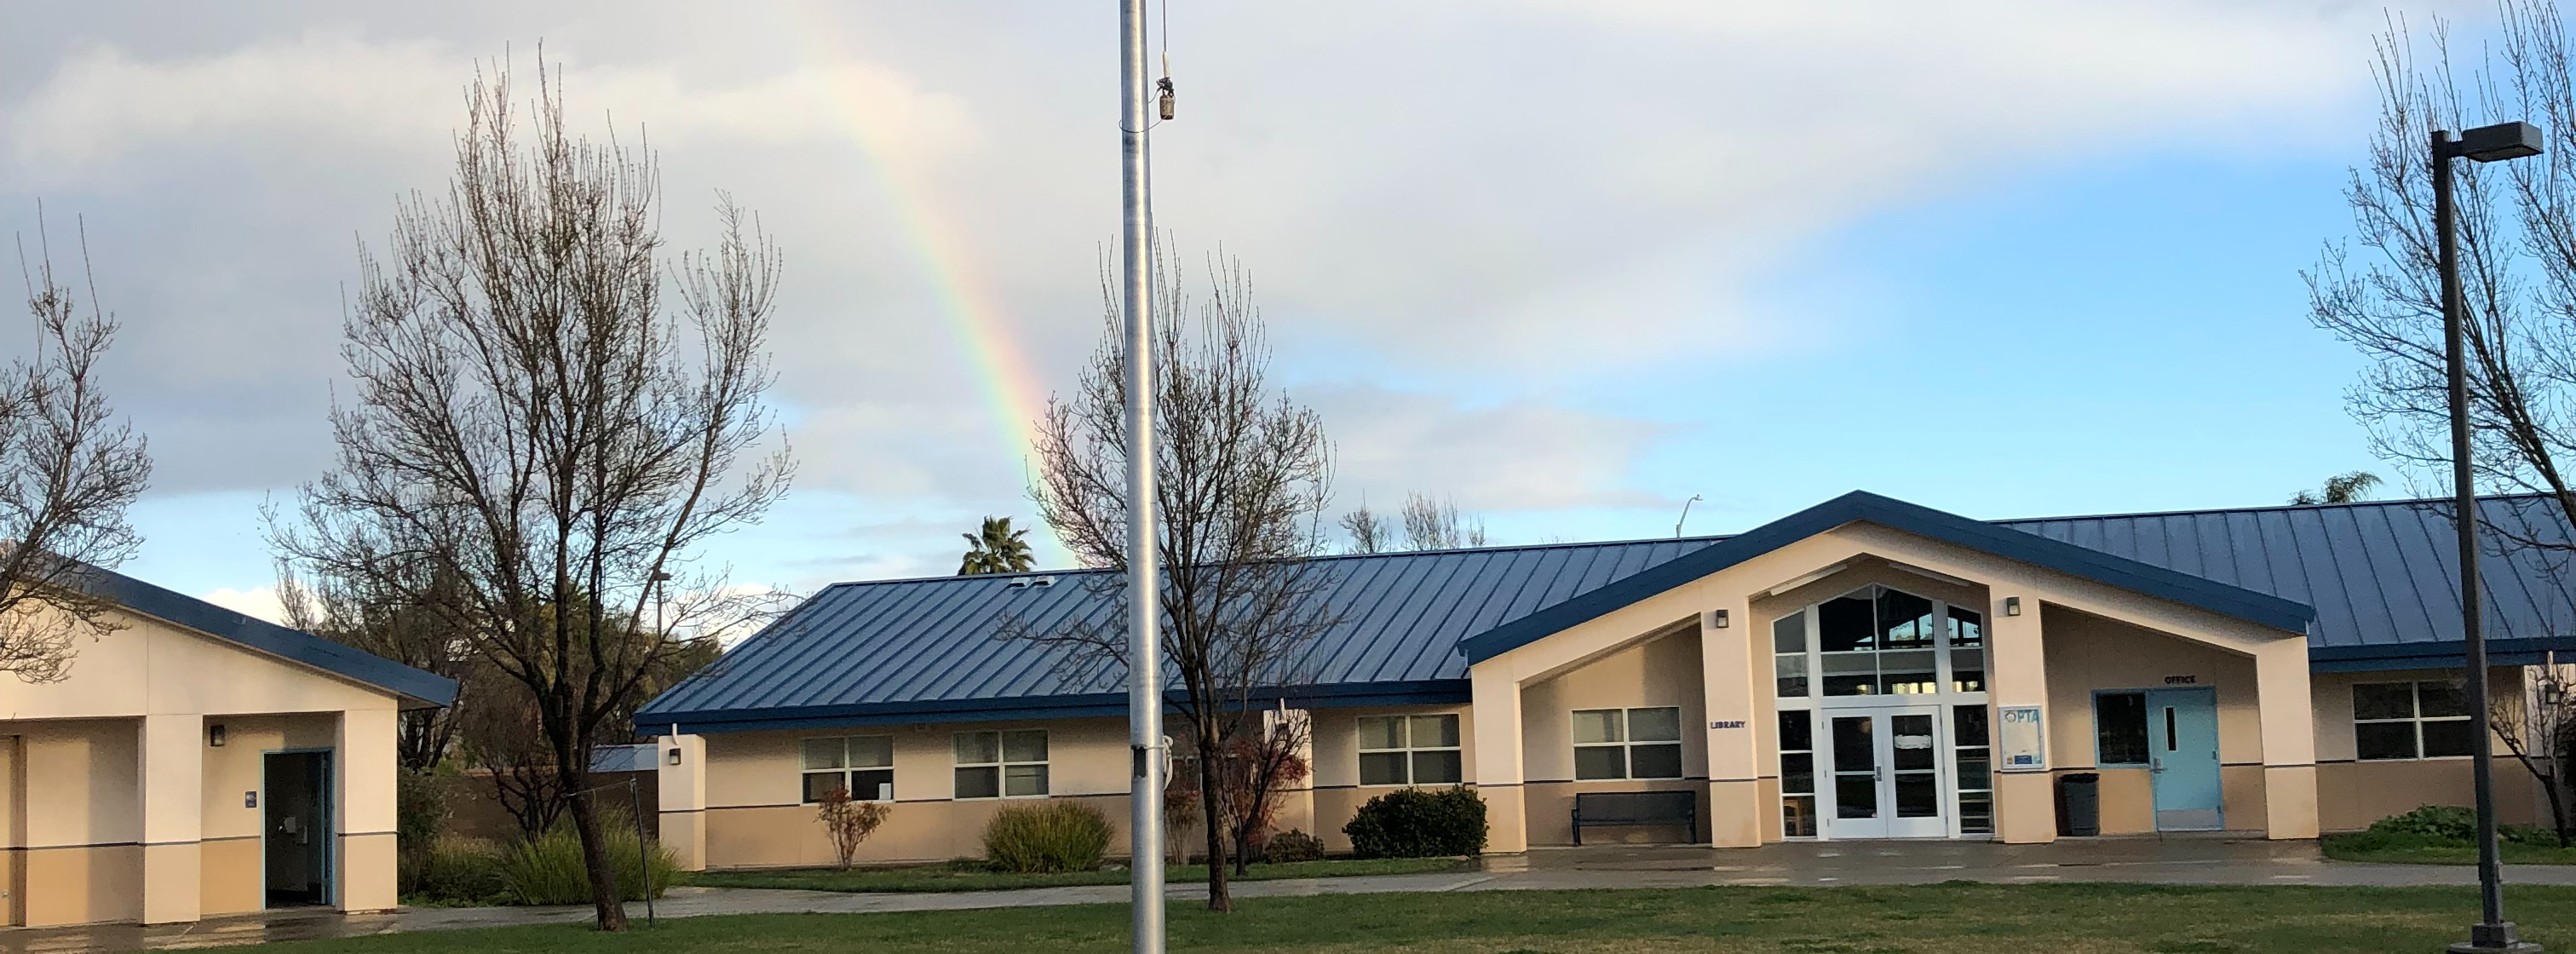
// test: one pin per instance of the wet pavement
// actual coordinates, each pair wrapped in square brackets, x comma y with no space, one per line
[2211,860]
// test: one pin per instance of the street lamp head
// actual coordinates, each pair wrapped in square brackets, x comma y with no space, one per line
[2512,140]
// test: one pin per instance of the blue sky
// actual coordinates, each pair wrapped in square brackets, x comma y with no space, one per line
[1566,263]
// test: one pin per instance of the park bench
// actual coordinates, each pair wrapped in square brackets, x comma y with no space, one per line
[1605,809]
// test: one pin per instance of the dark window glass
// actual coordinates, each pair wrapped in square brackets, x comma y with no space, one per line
[1973,770]
[1382,768]
[1796,733]
[1798,773]
[1655,761]
[1601,761]
[1967,628]
[872,785]
[2449,736]
[1436,768]
[1976,813]
[1911,737]
[2384,740]
[1918,795]
[981,782]
[819,784]
[1855,796]
[1854,748]
[1789,634]
[1970,723]
[1904,620]
[1843,625]
[1798,816]
[1851,685]
[2383,700]
[2120,728]
[2440,699]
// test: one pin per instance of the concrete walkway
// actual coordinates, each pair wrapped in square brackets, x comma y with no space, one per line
[2205,860]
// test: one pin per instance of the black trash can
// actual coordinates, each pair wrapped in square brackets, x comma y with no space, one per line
[2079,804]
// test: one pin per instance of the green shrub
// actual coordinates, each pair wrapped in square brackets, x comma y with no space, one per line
[1293,846]
[2450,823]
[549,870]
[1049,837]
[454,869]
[1413,823]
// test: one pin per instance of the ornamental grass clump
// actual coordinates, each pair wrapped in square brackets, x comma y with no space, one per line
[1046,838]
[549,870]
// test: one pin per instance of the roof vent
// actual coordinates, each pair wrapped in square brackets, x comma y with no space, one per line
[1029,581]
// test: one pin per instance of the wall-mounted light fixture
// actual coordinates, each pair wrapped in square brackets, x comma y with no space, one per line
[2012,606]
[1720,621]
[215,735]
[675,756]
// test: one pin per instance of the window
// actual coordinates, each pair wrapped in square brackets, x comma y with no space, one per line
[2407,720]
[1969,740]
[1628,743]
[1877,642]
[1789,649]
[2120,728]
[1410,750]
[1967,650]
[1797,774]
[1002,764]
[862,765]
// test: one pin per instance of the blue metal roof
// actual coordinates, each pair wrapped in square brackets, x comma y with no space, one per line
[417,687]
[2374,577]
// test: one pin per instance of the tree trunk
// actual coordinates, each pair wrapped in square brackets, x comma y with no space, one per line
[1212,812]
[2559,785]
[594,855]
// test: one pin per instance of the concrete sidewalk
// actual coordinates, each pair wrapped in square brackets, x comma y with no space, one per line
[2197,860]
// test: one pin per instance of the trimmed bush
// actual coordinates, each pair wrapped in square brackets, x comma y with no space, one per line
[1413,823]
[454,869]
[548,870]
[1048,837]
[1293,846]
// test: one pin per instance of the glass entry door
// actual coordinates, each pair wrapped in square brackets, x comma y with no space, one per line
[1886,773]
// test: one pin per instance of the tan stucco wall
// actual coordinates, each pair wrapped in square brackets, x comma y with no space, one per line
[1338,793]
[2087,653]
[2351,793]
[1662,671]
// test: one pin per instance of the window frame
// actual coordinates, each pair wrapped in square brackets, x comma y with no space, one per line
[1002,765]
[1628,743]
[844,770]
[2415,719]
[1359,737]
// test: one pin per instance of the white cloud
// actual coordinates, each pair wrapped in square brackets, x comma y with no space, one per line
[1511,456]
[261,602]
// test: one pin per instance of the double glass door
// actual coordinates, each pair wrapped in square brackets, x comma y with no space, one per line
[1885,768]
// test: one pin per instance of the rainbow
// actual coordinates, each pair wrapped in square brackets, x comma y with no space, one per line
[1009,388]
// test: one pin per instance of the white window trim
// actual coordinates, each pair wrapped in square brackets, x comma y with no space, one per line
[2415,692]
[1628,740]
[1410,748]
[1944,676]
[1001,769]
[802,770]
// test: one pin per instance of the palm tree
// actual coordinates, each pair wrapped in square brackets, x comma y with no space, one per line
[996,548]
[2339,489]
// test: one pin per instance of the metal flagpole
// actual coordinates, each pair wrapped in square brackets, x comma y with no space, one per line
[1144,647]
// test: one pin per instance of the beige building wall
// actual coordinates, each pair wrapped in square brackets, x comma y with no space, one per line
[121,810]
[2352,793]
[1662,671]
[1337,792]
[2089,654]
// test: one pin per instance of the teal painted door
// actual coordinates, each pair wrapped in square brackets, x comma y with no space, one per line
[2182,736]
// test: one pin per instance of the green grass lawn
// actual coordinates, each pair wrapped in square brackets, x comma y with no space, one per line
[973,876]
[1955,918]
[2421,850]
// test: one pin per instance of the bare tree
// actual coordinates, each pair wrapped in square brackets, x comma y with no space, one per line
[535,421]
[68,472]
[1243,478]
[2517,247]
[2537,727]
[392,621]
[1370,531]
[1434,523]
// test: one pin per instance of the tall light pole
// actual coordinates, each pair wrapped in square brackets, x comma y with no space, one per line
[2512,140]
[1144,647]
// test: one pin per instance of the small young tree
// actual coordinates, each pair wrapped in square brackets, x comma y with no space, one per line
[1243,476]
[68,472]
[2537,727]
[1370,531]
[1260,768]
[848,822]
[536,421]
[1435,523]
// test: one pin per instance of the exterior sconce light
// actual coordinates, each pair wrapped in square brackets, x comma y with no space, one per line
[1720,621]
[675,757]
[2012,606]
[215,736]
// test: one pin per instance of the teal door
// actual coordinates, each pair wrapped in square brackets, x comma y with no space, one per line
[2182,739]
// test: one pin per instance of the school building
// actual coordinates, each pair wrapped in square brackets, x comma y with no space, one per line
[198,762]
[1864,668]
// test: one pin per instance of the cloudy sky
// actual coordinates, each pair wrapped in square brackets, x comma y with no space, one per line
[1568,263]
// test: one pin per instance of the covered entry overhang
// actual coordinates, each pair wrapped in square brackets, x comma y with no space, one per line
[2028,610]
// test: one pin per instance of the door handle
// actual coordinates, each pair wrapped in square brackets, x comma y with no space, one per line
[2157,765]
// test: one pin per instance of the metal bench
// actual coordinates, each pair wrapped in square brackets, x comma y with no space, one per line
[1605,809]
